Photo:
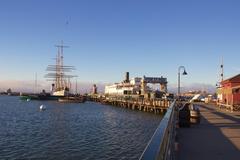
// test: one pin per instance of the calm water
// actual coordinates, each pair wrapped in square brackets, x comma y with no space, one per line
[72,131]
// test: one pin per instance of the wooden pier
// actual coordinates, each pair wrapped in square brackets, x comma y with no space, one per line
[141,104]
[216,137]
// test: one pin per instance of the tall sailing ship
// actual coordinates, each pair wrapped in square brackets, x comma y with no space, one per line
[58,75]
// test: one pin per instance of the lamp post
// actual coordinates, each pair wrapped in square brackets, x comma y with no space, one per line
[184,73]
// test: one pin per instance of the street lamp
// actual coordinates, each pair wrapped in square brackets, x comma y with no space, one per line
[184,73]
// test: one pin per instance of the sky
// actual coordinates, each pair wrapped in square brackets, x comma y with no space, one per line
[109,37]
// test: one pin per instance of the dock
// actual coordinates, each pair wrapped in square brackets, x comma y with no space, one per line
[216,137]
[156,105]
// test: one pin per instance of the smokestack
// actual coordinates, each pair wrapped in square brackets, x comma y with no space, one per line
[127,77]
[53,87]
[94,91]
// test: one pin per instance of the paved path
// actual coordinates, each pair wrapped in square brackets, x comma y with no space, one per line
[217,137]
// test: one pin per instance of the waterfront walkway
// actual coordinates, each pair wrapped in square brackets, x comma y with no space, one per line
[217,137]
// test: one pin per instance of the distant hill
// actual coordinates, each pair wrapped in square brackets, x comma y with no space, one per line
[86,87]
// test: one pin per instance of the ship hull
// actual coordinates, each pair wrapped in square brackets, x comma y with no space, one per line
[72,100]
[40,97]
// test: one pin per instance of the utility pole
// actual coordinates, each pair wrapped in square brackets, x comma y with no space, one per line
[222,70]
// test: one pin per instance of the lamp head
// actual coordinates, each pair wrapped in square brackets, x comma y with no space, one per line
[184,72]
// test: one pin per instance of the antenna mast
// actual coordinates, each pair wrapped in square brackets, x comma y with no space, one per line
[222,70]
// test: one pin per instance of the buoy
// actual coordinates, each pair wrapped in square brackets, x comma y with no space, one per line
[28,99]
[42,107]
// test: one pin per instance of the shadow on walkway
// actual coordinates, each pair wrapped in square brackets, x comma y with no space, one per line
[226,115]
[217,137]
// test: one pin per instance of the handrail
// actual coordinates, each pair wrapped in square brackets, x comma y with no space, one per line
[161,144]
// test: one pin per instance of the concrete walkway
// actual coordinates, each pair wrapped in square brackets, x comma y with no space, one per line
[217,137]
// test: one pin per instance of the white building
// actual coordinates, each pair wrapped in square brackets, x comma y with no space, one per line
[136,86]
[123,88]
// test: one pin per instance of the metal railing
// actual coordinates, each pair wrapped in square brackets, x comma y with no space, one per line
[161,145]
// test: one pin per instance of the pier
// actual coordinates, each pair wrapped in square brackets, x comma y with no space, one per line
[156,105]
[216,137]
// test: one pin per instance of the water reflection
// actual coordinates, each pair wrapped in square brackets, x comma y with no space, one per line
[72,131]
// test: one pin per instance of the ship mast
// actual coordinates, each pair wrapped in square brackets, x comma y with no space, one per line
[57,72]
[35,84]
[76,89]
[60,67]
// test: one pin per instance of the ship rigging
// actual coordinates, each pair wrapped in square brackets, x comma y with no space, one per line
[58,74]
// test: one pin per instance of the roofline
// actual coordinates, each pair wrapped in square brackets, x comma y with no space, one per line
[230,78]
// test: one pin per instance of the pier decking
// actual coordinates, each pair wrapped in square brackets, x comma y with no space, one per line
[216,137]
[141,104]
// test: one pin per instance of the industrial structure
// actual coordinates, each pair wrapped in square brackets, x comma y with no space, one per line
[137,86]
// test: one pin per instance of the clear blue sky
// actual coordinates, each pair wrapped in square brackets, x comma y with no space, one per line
[109,37]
